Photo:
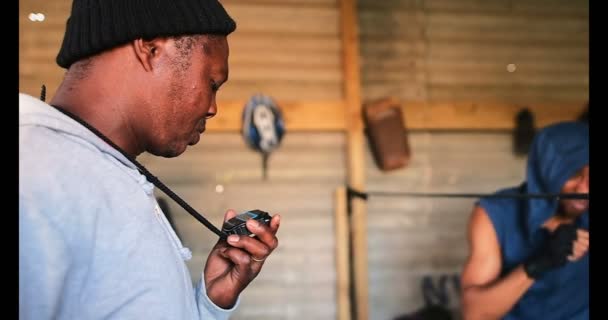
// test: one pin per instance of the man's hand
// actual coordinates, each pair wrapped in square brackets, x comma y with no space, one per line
[232,265]
[580,245]
[564,244]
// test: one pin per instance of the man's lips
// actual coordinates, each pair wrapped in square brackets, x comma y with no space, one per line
[579,205]
[201,127]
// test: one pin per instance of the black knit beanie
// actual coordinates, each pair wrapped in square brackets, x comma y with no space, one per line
[98,25]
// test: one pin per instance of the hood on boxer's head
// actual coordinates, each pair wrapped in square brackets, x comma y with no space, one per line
[556,154]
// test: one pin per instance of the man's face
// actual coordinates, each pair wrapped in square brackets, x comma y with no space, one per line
[188,97]
[579,183]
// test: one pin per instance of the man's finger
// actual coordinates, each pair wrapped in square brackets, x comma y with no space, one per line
[582,234]
[579,250]
[239,257]
[264,233]
[229,214]
[584,242]
[274,223]
[252,246]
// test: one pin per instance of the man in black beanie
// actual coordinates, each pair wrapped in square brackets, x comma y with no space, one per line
[142,76]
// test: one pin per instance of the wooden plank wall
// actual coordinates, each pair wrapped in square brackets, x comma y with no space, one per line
[290,50]
[447,60]
[445,51]
[39,43]
[299,280]
[355,149]
[430,54]
[410,239]
[435,55]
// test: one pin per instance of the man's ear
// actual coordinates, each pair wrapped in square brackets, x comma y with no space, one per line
[149,51]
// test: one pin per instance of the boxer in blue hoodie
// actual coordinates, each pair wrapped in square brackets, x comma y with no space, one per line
[529,259]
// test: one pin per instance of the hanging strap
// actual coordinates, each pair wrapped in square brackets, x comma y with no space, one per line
[151,178]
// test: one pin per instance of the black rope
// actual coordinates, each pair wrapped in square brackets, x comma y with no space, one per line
[149,176]
[365,195]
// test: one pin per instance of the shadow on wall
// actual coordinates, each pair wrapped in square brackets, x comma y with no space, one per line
[437,299]
[526,128]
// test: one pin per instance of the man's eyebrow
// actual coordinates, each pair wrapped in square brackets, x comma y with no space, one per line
[207,42]
[224,76]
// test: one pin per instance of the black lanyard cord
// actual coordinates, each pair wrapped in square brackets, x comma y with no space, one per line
[151,178]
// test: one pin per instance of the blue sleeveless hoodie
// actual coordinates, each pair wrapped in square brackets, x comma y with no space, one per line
[557,153]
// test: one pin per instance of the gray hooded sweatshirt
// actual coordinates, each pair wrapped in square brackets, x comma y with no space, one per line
[93,242]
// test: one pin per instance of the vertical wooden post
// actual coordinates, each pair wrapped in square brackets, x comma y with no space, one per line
[342,255]
[355,149]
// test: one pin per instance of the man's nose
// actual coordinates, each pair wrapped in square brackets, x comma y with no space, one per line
[212,110]
[583,186]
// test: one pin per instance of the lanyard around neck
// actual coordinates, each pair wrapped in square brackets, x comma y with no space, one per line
[151,178]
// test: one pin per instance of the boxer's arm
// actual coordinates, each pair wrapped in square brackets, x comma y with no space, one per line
[484,294]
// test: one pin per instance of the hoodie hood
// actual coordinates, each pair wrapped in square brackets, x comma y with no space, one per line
[34,112]
[557,153]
